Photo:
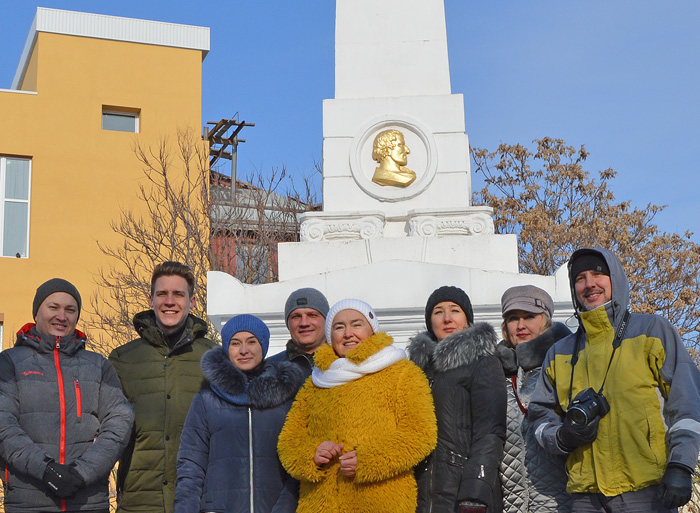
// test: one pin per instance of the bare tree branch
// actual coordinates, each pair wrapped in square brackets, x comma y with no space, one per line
[191,215]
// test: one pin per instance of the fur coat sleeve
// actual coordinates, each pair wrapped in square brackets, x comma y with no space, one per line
[297,444]
[391,452]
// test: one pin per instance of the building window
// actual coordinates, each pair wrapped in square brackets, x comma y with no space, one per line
[120,119]
[15,180]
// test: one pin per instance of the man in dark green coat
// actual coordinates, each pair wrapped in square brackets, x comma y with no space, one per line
[160,374]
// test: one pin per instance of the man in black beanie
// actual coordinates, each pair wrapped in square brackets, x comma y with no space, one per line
[64,421]
[620,398]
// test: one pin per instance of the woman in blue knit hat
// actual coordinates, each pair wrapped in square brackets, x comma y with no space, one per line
[228,448]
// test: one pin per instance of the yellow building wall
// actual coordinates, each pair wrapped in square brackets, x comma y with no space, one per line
[82,176]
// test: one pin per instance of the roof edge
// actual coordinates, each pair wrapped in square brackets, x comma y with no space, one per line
[115,28]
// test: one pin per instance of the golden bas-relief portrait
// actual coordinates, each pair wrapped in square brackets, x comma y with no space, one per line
[391,152]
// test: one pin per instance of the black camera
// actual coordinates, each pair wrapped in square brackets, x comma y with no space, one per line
[586,406]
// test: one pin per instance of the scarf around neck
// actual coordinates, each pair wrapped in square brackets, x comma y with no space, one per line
[343,371]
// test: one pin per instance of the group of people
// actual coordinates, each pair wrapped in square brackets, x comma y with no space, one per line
[604,419]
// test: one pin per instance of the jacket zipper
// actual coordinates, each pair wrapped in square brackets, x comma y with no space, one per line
[78,399]
[62,404]
[431,465]
[430,483]
[250,456]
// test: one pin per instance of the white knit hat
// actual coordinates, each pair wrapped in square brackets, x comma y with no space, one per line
[351,304]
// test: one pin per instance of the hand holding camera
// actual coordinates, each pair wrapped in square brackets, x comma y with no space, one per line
[580,425]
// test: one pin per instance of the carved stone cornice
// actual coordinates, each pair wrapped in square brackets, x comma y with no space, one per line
[321,226]
[439,223]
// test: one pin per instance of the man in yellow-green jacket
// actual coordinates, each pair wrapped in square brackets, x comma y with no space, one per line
[621,397]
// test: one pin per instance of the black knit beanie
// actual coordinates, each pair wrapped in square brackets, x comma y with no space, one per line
[54,285]
[448,293]
[588,260]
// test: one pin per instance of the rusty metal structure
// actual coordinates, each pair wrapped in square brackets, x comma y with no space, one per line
[222,136]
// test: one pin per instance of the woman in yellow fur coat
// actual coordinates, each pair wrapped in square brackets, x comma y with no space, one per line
[361,423]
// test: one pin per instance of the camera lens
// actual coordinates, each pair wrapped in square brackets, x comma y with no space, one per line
[577,416]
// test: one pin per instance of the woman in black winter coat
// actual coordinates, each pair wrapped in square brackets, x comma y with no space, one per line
[466,379]
[228,448]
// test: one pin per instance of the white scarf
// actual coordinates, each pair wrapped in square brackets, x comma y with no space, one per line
[343,371]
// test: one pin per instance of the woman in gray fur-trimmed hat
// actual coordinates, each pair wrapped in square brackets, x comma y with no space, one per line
[532,480]
[458,357]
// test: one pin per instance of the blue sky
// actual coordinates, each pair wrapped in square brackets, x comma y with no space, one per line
[621,77]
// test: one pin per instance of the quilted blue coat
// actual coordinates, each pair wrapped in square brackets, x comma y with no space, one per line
[228,448]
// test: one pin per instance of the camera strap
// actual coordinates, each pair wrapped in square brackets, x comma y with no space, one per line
[622,327]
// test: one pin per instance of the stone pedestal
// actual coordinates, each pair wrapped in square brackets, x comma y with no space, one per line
[391,245]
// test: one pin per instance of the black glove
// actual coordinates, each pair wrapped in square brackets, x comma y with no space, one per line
[569,436]
[471,507]
[63,480]
[676,486]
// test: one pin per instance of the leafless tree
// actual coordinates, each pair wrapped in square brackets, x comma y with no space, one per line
[250,219]
[190,215]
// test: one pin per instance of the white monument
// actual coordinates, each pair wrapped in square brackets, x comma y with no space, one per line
[397,219]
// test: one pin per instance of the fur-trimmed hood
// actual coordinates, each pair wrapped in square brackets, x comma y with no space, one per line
[459,349]
[278,382]
[530,355]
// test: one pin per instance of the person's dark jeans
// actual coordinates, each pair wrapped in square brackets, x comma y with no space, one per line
[646,500]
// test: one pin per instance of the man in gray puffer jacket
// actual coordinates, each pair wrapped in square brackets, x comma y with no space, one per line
[64,420]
